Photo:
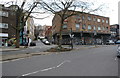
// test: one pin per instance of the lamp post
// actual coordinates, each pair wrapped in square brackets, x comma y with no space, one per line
[95,33]
[71,38]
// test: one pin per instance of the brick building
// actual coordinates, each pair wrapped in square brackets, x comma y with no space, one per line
[86,28]
[48,33]
[114,29]
[7,23]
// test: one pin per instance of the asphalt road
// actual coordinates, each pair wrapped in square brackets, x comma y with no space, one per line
[40,47]
[100,61]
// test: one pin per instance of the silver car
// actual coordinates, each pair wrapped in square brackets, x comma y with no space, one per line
[118,51]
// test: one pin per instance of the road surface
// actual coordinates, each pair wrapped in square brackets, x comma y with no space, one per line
[100,61]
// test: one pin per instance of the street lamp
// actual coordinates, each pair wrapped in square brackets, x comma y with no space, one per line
[71,38]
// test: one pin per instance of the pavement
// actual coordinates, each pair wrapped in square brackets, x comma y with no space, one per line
[13,56]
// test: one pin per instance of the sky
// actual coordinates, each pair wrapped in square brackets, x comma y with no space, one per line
[110,10]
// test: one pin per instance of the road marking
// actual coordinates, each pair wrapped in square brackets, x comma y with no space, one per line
[63,62]
[115,58]
[30,73]
[47,68]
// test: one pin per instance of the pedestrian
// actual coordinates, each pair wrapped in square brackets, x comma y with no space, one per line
[29,41]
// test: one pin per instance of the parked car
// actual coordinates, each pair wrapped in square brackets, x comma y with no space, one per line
[118,51]
[110,42]
[117,42]
[45,41]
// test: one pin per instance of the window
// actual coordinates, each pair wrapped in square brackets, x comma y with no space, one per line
[103,20]
[103,28]
[77,26]
[89,18]
[65,26]
[106,21]
[94,27]
[0,13]
[3,13]
[99,28]
[77,16]
[98,19]
[89,27]
[83,17]
[3,25]
[84,26]
[94,19]
[106,28]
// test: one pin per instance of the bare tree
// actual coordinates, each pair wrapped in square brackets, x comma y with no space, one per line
[65,9]
[21,20]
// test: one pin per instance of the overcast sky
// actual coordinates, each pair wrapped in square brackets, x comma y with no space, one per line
[111,11]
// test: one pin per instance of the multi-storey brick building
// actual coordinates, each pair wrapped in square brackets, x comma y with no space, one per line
[7,23]
[114,29]
[87,28]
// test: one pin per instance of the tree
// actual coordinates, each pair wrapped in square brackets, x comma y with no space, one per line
[65,9]
[21,20]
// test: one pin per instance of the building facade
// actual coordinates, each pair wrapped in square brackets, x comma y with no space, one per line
[86,29]
[48,33]
[7,23]
[114,29]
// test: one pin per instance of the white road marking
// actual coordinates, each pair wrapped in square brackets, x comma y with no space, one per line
[63,63]
[30,73]
[47,68]
[115,58]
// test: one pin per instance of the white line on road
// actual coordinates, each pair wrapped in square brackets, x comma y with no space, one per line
[30,73]
[115,58]
[47,68]
[63,62]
